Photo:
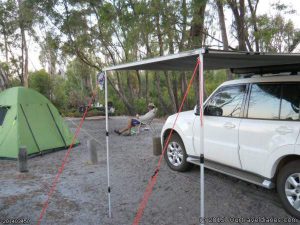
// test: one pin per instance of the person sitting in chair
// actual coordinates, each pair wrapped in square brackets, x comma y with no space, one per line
[139,119]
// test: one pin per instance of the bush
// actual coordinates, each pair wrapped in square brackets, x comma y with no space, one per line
[59,96]
[140,105]
[41,82]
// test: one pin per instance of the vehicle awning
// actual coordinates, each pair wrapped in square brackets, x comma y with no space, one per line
[238,62]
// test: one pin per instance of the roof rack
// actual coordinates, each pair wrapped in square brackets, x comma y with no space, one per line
[292,69]
[269,74]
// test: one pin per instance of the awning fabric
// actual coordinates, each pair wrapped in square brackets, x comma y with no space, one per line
[238,62]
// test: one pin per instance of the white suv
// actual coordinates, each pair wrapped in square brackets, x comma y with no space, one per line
[251,131]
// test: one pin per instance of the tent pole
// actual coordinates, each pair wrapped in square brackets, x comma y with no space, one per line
[201,97]
[107,146]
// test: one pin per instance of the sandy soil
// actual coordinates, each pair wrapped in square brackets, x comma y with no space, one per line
[81,194]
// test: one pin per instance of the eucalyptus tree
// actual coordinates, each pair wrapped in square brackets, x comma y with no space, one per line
[101,33]
[17,18]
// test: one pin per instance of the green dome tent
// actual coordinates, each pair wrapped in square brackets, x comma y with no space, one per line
[29,119]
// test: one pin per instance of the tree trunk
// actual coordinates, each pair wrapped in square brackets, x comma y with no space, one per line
[24,48]
[254,22]
[184,13]
[196,33]
[220,7]
[162,103]
[184,84]
[130,88]
[5,41]
[147,87]
[175,91]
[158,32]
[170,91]
[3,79]
[139,84]
[238,11]
[123,98]
[25,76]
[197,27]
[91,82]
[171,80]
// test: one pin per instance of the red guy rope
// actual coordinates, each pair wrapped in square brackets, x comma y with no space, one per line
[153,179]
[60,170]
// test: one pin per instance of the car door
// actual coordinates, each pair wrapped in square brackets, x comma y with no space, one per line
[271,124]
[221,123]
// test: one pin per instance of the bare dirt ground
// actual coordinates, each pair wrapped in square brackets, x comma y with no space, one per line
[81,194]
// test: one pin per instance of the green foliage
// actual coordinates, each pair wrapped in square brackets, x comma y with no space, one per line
[59,97]
[41,82]
[213,79]
[113,97]
[79,83]
[90,35]
[140,105]
[15,82]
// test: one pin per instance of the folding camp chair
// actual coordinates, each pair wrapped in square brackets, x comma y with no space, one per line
[147,125]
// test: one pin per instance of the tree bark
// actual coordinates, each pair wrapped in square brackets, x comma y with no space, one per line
[25,76]
[147,87]
[170,91]
[197,27]
[140,93]
[184,84]
[196,33]
[184,13]
[162,103]
[254,22]
[24,48]
[118,90]
[238,11]
[3,79]
[5,41]
[220,7]
[130,88]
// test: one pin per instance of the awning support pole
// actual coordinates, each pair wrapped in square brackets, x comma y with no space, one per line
[107,145]
[201,97]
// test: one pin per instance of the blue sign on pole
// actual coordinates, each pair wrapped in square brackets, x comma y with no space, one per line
[101,80]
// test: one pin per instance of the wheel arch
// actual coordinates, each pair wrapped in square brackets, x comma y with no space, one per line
[283,161]
[167,132]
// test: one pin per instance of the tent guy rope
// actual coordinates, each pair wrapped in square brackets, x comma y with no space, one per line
[60,170]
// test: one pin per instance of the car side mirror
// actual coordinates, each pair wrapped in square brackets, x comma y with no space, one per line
[196,110]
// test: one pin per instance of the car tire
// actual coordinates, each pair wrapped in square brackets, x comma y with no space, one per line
[175,154]
[288,187]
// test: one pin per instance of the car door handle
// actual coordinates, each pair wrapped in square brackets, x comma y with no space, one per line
[229,125]
[284,130]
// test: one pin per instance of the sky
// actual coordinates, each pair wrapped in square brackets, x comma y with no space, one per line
[263,7]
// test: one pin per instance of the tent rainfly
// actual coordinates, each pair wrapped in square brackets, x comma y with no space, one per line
[237,62]
[29,119]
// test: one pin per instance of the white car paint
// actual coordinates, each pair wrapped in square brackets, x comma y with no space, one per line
[182,127]
[262,143]
[253,145]
[220,139]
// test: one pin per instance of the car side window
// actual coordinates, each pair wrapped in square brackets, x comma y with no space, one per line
[3,111]
[290,102]
[264,102]
[226,102]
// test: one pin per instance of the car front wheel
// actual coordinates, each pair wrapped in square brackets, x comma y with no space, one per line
[175,154]
[288,187]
